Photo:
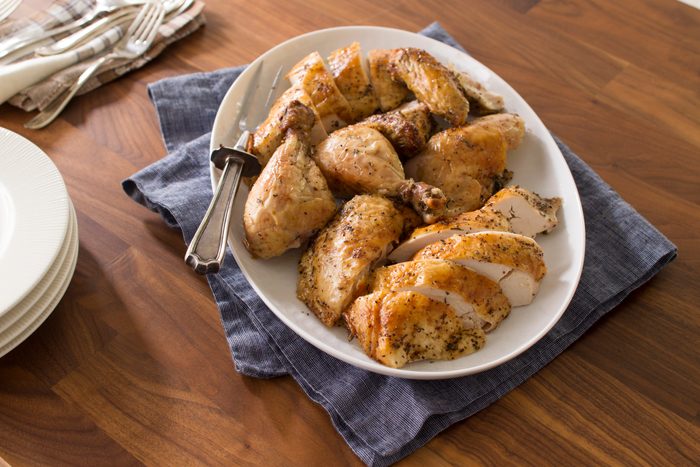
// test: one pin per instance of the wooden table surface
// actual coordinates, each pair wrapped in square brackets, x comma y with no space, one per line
[133,366]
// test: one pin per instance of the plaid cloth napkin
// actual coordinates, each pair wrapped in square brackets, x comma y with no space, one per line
[383,419]
[38,96]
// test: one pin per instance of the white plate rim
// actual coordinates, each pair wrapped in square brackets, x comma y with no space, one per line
[52,297]
[219,138]
[40,203]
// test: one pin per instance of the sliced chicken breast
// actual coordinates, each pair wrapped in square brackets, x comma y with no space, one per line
[335,269]
[352,81]
[311,75]
[396,328]
[527,212]
[476,299]
[389,92]
[515,261]
[467,222]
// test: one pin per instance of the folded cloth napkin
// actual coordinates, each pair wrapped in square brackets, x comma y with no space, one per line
[382,418]
[40,95]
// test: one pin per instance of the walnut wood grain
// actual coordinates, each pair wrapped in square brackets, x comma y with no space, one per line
[133,366]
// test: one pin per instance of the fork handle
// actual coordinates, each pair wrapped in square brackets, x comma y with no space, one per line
[59,103]
[15,77]
[205,253]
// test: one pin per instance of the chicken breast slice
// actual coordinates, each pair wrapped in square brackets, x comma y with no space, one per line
[476,299]
[269,135]
[290,200]
[515,261]
[311,75]
[467,222]
[335,269]
[468,163]
[389,92]
[396,328]
[527,212]
[431,82]
[349,74]
[481,100]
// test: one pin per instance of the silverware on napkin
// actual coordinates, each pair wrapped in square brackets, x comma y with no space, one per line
[7,7]
[205,253]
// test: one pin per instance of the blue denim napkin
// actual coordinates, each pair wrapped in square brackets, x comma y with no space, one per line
[383,419]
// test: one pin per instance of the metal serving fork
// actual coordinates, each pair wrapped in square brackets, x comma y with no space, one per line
[7,7]
[136,41]
[205,253]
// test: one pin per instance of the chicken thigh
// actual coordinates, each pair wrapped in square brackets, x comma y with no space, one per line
[290,200]
[468,163]
[335,268]
[359,159]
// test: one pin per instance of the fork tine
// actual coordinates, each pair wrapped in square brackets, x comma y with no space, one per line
[141,26]
[152,29]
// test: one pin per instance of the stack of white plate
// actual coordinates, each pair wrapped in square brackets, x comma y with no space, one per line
[38,238]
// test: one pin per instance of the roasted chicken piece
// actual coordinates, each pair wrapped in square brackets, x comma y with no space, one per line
[311,75]
[389,92]
[396,328]
[290,200]
[472,221]
[476,299]
[407,128]
[335,268]
[359,159]
[468,163]
[431,83]
[515,261]
[481,100]
[527,212]
[352,81]
[270,134]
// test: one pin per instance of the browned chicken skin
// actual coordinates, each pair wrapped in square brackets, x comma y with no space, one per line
[469,162]
[407,128]
[350,77]
[290,200]
[431,83]
[396,328]
[359,159]
[390,93]
[335,269]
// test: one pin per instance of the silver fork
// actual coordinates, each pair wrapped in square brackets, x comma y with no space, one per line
[136,41]
[205,253]
[7,7]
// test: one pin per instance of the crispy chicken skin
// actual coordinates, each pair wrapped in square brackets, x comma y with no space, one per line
[290,200]
[352,81]
[396,328]
[390,93]
[476,299]
[270,134]
[431,83]
[467,222]
[311,75]
[515,261]
[336,267]
[469,162]
[407,128]
[359,159]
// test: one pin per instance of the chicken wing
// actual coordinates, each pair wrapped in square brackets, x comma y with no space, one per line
[335,268]
[396,328]
[389,92]
[407,128]
[359,159]
[481,100]
[311,75]
[431,83]
[290,200]
[352,81]
[468,163]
